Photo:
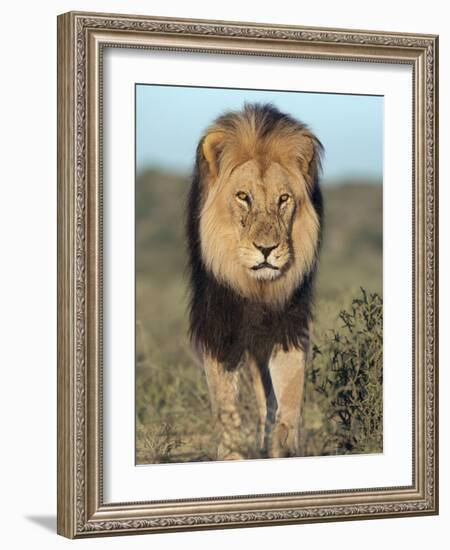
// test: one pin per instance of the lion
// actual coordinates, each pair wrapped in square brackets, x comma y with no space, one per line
[254,226]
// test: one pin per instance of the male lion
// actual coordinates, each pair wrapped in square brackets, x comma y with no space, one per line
[254,218]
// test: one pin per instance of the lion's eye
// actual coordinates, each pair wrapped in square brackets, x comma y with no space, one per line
[283,198]
[243,197]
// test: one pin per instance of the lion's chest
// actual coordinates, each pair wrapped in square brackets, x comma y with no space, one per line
[256,330]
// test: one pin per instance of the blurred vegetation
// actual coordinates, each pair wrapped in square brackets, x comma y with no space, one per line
[342,411]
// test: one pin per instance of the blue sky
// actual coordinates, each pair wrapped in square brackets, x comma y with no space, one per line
[171,119]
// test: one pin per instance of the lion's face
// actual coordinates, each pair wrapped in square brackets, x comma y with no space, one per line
[261,208]
[259,231]
[258,228]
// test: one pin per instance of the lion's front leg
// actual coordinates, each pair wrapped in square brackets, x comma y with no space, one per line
[287,370]
[223,387]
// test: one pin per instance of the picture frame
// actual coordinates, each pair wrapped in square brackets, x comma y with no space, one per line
[83,39]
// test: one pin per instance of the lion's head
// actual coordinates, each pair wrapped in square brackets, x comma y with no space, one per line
[259,226]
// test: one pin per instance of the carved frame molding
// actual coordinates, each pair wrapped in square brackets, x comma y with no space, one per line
[81,39]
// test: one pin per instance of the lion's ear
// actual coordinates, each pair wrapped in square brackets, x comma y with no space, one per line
[309,152]
[212,146]
[305,152]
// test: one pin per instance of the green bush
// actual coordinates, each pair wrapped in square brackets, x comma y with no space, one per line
[347,376]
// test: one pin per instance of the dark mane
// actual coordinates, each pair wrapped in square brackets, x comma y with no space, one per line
[223,323]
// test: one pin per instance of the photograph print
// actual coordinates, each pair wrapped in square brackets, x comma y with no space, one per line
[258,257]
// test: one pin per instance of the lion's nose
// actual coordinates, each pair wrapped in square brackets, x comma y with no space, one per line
[266,250]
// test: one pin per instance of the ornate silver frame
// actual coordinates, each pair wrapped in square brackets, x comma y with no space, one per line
[81,38]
